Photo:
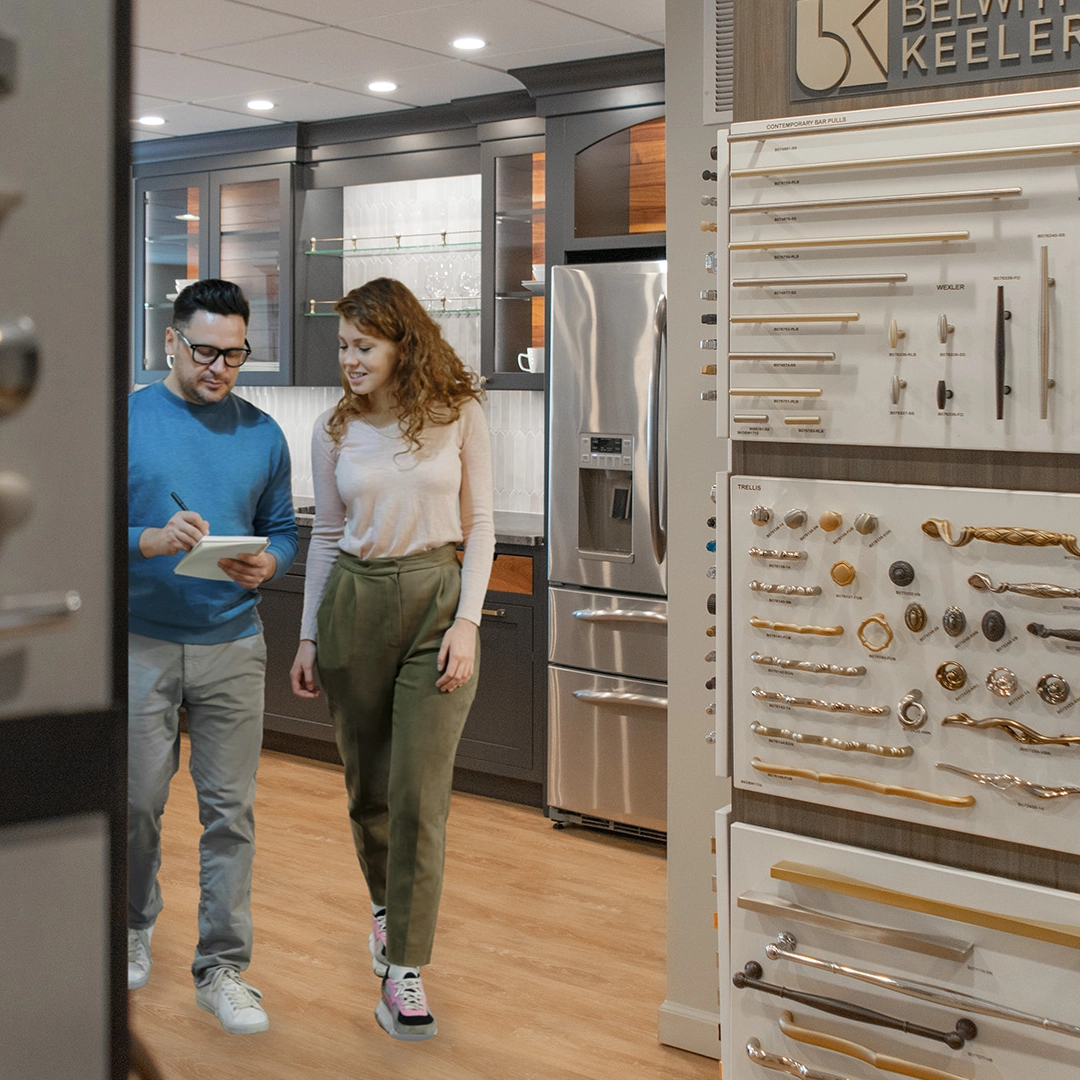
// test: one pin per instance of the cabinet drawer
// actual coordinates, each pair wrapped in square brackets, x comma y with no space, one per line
[510,573]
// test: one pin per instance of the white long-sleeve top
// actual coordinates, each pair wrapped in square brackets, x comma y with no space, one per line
[377,498]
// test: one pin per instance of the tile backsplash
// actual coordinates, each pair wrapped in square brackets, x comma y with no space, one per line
[515,417]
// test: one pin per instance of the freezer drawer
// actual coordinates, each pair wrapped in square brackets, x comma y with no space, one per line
[607,747]
[620,635]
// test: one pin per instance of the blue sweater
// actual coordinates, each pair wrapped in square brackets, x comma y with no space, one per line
[229,462]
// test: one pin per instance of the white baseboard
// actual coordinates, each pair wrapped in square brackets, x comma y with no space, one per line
[690,1029]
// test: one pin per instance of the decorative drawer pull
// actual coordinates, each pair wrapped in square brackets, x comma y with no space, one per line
[1013,728]
[785,590]
[849,241]
[774,553]
[940,529]
[883,634]
[1045,632]
[796,628]
[750,979]
[813,703]
[782,949]
[862,1053]
[911,712]
[1005,782]
[789,1065]
[802,421]
[803,738]
[1031,588]
[811,666]
[620,615]
[615,698]
[864,784]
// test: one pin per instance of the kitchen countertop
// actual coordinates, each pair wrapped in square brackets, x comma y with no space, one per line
[511,526]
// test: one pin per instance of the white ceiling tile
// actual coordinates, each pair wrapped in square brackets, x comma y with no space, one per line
[644,17]
[438,83]
[309,102]
[586,50]
[351,14]
[186,78]
[141,104]
[200,24]
[322,56]
[197,120]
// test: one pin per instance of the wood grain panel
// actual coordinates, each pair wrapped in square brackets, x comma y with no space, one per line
[648,189]
[512,573]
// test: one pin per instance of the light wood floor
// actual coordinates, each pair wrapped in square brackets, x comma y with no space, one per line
[548,964]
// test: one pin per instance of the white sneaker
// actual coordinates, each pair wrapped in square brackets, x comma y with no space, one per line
[138,957]
[233,1002]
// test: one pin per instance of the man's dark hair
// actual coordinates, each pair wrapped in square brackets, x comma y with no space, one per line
[213,295]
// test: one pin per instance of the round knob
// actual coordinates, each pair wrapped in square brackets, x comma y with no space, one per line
[830,521]
[16,501]
[915,617]
[19,352]
[954,621]
[761,515]
[901,573]
[795,518]
[842,572]
[711,737]
[1002,681]
[865,524]
[993,625]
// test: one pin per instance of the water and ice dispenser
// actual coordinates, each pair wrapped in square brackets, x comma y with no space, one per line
[606,496]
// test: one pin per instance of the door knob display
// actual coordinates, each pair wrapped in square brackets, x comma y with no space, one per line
[943,394]
[896,335]
[944,329]
[896,386]
[19,353]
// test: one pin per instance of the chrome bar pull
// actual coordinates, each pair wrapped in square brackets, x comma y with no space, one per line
[1046,284]
[620,615]
[37,611]
[615,698]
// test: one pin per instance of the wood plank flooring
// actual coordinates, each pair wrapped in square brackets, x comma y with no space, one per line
[548,964]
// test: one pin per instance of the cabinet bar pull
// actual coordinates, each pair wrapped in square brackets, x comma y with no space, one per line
[827,880]
[620,615]
[780,1063]
[821,279]
[793,702]
[875,200]
[862,782]
[40,611]
[940,529]
[804,738]
[849,241]
[1045,382]
[782,948]
[910,159]
[782,356]
[615,698]
[804,316]
[774,391]
[862,1053]
[1021,733]
[493,612]
[1000,389]
[924,944]
[750,979]
[802,421]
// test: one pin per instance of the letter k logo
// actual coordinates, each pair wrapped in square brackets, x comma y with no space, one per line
[840,43]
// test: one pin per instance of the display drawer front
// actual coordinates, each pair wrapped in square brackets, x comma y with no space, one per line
[607,747]
[602,632]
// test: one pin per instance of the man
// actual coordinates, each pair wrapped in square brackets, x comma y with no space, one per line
[195,642]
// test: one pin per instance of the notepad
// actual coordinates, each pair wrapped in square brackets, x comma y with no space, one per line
[202,560]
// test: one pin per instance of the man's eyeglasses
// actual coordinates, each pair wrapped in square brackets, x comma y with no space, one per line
[208,354]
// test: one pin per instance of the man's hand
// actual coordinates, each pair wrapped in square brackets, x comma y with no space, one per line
[180,533]
[249,570]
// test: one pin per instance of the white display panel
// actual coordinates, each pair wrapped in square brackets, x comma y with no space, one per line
[911,659]
[925,213]
[1009,969]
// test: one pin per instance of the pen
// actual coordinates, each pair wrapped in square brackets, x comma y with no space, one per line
[179,502]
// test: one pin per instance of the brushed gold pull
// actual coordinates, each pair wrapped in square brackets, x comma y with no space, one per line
[896,335]
[775,391]
[863,783]
[940,529]
[796,628]
[849,241]
[495,613]
[799,317]
[876,200]
[802,421]
[819,279]
[782,356]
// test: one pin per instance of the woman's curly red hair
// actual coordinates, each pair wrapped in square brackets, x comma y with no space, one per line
[430,381]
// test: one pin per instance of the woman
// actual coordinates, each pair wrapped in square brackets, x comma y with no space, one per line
[402,474]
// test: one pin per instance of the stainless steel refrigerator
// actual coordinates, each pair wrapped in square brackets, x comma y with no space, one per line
[607,558]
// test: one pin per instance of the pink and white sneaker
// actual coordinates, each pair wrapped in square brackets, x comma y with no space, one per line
[377,944]
[402,1011]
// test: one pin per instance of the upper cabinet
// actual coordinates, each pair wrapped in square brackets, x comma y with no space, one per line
[229,223]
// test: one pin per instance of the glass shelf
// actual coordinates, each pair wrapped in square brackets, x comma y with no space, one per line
[395,244]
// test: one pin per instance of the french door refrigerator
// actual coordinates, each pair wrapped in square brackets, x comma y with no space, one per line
[607,565]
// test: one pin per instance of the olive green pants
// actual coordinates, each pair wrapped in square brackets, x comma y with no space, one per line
[381,623]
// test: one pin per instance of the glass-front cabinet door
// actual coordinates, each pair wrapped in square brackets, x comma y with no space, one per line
[233,224]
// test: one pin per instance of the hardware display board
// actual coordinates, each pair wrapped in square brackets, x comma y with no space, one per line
[880,632]
[996,956]
[905,276]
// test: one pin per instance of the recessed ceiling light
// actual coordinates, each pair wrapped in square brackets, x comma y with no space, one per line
[468,43]
[260,105]
[382,86]
[187,217]
[151,121]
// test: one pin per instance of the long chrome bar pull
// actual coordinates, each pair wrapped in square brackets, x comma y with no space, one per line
[1046,284]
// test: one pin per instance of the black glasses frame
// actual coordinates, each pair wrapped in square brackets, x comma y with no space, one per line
[222,353]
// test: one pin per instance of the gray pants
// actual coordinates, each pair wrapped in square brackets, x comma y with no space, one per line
[221,688]
[381,623]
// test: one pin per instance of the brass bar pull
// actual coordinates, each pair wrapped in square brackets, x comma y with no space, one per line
[1021,733]
[804,738]
[811,666]
[876,200]
[814,703]
[799,317]
[1046,384]
[784,356]
[775,391]
[925,944]
[495,613]
[750,979]
[817,878]
[849,241]
[860,782]
[795,628]
[862,1053]
[1041,589]
[818,279]
[940,529]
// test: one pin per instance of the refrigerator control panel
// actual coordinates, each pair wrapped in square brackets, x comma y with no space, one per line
[909,652]
[606,452]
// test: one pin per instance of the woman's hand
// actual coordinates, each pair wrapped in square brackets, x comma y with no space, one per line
[457,656]
[302,672]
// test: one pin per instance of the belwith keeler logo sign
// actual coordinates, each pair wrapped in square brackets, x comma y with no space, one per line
[866,46]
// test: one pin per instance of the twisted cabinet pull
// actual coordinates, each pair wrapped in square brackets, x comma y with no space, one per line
[1013,728]
[940,529]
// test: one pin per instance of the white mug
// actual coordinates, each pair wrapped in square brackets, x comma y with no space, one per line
[531,360]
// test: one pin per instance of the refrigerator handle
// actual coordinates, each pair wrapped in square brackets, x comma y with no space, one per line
[612,697]
[657,521]
[619,615]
